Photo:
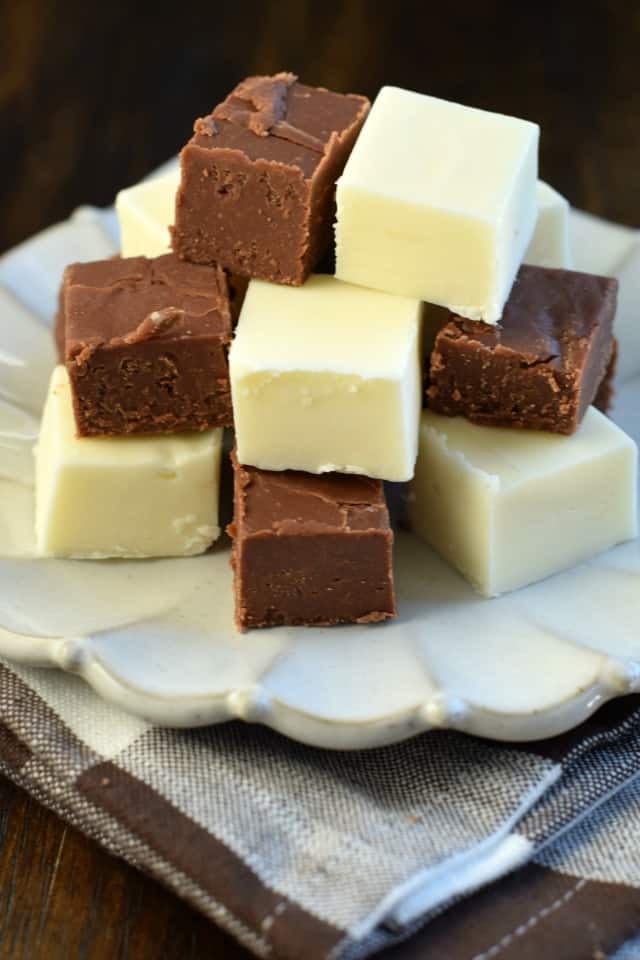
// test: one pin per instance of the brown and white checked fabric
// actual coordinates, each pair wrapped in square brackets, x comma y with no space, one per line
[293,849]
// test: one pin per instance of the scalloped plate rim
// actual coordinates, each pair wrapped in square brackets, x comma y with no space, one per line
[464,716]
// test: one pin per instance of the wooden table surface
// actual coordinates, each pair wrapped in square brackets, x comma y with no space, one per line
[92,96]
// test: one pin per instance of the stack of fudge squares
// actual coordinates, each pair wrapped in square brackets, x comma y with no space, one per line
[429,356]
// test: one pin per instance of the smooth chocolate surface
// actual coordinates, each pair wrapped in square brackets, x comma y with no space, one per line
[60,320]
[237,291]
[258,178]
[314,550]
[541,367]
[146,345]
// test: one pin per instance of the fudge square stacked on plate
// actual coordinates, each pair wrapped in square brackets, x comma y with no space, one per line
[128,459]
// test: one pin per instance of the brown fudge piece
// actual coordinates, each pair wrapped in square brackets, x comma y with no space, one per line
[146,346]
[310,550]
[541,367]
[606,391]
[258,178]
[434,319]
[237,290]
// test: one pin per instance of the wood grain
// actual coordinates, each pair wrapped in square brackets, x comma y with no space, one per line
[63,898]
[92,96]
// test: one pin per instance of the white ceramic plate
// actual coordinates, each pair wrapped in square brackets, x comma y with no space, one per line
[156,637]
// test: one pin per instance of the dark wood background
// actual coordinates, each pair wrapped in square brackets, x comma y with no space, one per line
[93,95]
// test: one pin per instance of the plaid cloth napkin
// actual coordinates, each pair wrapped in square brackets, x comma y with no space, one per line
[305,853]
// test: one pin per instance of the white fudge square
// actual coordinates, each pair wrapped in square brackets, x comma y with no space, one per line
[438,202]
[145,212]
[327,377]
[125,496]
[550,246]
[509,507]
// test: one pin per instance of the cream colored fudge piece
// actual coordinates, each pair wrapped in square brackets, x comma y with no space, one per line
[438,202]
[509,507]
[145,213]
[549,245]
[327,377]
[124,497]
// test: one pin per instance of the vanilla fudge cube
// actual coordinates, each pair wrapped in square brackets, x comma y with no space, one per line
[438,202]
[153,496]
[549,245]
[509,507]
[145,213]
[326,377]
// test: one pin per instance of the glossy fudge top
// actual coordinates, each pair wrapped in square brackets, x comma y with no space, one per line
[541,366]
[292,502]
[549,317]
[279,119]
[122,302]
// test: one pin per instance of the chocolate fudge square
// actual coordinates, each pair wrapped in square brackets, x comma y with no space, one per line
[541,367]
[310,549]
[146,345]
[258,178]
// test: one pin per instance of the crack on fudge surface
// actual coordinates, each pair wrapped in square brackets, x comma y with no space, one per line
[257,103]
[263,109]
[109,303]
[321,500]
[146,346]
[310,549]
[540,368]
[286,131]
[157,323]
